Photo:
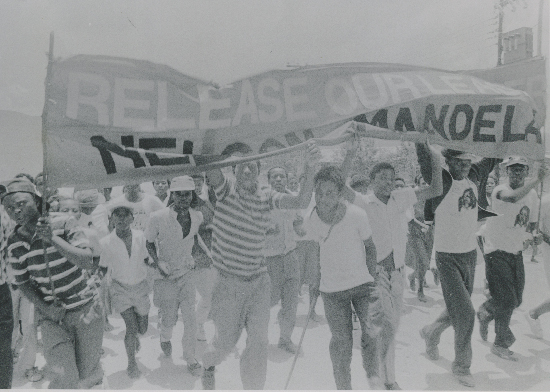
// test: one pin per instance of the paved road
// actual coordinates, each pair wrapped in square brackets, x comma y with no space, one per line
[314,371]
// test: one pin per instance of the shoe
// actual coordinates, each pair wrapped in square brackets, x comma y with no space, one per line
[315,317]
[392,387]
[431,350]
[375,383]
[207,379]
[421,297]
[166,348]
[288,346]
[412,282]
[201,334]
[536,329]
[504,353]
[108,327]
[34,374]
[133,372]
[483,326]
[435,271]
[534,260]
[465,379]
[194,368]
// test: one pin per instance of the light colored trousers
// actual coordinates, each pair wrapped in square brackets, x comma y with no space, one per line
[390,287]
[205,278]
[239,304]
[26,343]
[173,295]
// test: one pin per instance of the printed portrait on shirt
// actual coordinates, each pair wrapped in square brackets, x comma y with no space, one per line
[522,218]
[468,200]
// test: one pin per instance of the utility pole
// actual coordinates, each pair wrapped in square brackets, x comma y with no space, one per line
[539,28]
[500,19]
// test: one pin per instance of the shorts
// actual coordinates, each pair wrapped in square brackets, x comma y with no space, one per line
[125,296]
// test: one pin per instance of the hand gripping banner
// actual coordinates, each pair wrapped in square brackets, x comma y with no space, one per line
[110,120]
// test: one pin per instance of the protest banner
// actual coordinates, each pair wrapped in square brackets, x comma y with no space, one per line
[110,120]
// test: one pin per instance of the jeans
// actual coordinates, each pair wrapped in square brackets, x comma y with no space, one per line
[173,295]
[6,328]
[284,272]
[457,272]
[72,349]
[390,285]
[236,304]
[338,311]
[505,274]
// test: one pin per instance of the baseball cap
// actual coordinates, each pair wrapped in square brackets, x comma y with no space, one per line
[183,183]
[17,185]
[88,198]
[450,153]
[123,203]
[515,160]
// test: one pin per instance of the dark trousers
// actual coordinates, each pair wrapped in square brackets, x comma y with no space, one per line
[505,275]
[457,272]
[6,329]
[338,311]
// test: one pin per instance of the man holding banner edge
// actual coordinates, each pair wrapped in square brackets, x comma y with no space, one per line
[241,297]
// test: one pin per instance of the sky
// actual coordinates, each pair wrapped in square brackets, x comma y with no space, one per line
[226,40]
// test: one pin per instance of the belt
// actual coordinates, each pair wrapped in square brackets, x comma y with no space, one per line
[243,278]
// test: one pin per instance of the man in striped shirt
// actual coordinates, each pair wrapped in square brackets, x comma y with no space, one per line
[241,297]
[72,330]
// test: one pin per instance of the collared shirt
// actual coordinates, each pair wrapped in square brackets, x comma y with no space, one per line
[164,228]
[71,284]
[241,220]
[390,222]
[126,269]
[284,240]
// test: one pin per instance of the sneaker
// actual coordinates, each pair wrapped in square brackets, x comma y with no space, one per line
[194,368]
[201,334]
[536,329]
[288,346]
[392,387]
[315,317]
[207,379]
[375,383]
[133,371]
[465,379]
[421,297]
[166,348]
[34,374]
[504,353]
[483,326]
[431,349]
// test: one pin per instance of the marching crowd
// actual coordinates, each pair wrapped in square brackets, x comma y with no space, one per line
[244,248]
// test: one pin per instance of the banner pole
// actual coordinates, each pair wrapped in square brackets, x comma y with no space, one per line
[45,161]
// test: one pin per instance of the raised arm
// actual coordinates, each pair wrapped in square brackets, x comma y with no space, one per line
[424,157]
[514,195]
[303,199]
[436,184]
[81,257]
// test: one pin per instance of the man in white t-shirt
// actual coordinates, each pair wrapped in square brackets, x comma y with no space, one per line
[455,215]
[389,206]
[348,266]
[516,204]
